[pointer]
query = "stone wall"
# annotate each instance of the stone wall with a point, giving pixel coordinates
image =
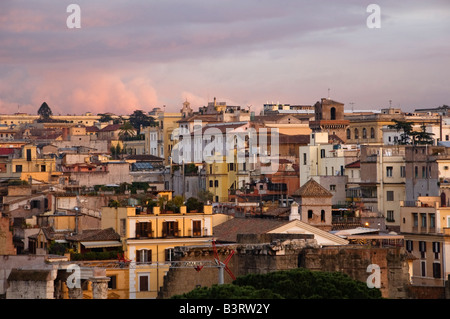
(31, 284)
(283, 254)
(354, 260)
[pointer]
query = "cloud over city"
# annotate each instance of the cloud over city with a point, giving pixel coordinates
(145, 54)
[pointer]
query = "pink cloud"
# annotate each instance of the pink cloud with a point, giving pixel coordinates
(67, 91)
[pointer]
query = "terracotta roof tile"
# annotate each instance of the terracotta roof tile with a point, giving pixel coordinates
(312, 189)
(228, 231)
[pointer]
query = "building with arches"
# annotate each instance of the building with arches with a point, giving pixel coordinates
(329, 117)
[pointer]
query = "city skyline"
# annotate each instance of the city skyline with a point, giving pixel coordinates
(142, 55)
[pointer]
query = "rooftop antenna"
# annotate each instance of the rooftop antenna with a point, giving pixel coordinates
(351, 103)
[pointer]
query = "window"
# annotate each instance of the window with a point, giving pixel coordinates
(389, 170)
(322, 215)
(390, 196)
(436, 249)
(310, 214)
(322, 153)
(372, 132)
(216, 183)
(364, 133)
(304, 158)
(415, 219)
(432, 220)
(169, 254)
(423, 268)
(210, 183)
(112, 283)
(436, 270)
(170, 229)
(402, 171)
(424, 172)
(409, 245)
(18, 168)
(332, 187)
(333, 113)
(196, 228)
(422, 248)
(349, 134)
(144, 282)
(390, 216)
(356, 133)
(416, 171)
(43, 168)
(144, 256)
(423, 218)
(144, 229)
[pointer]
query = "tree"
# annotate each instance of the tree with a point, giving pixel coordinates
(126, 130)
(422, 137)
(45, 112)
(405, 127)
(205, 196)
(229, 291)
(193, 203)
(298, 283)
(105, 118)
(139, 118)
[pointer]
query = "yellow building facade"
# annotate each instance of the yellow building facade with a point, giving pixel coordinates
(31, 165)
(151, 239)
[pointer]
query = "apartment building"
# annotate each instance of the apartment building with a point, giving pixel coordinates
(383, 178)
(151, 238)
(29, 165)
(425, 225)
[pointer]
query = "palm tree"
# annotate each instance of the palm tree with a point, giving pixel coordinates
(126, 130)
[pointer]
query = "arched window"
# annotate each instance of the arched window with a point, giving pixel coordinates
(356, 133)
(443, 200)
(349, 134)
(372, 132)
(364, 133)
(322, 215)
(333, 113)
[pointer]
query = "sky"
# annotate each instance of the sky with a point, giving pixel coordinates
(142, 54)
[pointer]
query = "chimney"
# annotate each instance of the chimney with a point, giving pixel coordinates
(294, 212)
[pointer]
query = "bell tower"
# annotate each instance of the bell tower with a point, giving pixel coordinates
(329, 117)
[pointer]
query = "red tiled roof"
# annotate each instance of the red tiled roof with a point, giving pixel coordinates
(356, 164)
(228, 231)
(111, 127)
(312, 189)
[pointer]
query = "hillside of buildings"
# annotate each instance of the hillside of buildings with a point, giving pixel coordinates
(142, 205)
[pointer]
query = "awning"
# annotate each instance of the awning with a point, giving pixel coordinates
(101, 244)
